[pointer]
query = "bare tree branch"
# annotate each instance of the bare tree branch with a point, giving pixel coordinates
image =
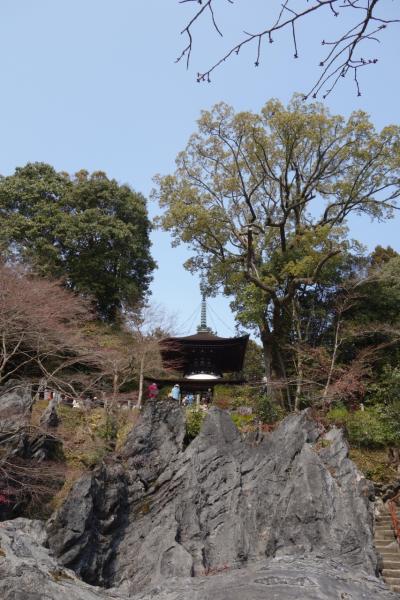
(343, 57)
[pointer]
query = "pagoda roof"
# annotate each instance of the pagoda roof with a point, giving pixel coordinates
(227, 353)
(207, 336)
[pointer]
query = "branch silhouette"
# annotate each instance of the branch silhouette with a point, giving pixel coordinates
(342, 57)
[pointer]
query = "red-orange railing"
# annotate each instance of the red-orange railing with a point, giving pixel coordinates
(392, 508)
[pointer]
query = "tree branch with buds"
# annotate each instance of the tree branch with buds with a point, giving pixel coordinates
(343, 57)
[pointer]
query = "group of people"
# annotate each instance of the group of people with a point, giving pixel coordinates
(189, 399)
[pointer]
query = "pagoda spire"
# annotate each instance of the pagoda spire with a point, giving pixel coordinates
(203, 318)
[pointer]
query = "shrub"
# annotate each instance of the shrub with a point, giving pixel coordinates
(242, 421)
(391, 416)
(194, 420)
(373, 427)
(338, 415)
(387, 389)
(267, 410)
(233, 396)
(367, 428)
(373, 463)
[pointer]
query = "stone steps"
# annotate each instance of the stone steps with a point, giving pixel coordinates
(388, 548)
(391, 573)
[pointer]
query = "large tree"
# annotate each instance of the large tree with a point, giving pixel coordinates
(262, 200)
(86, 229)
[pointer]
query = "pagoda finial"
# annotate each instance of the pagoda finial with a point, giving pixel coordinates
(203, 318)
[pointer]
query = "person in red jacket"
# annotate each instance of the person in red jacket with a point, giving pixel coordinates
(152, 391)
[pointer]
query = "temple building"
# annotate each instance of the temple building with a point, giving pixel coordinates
(204, 359)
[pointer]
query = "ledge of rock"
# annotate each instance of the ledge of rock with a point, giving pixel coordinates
(288, 517)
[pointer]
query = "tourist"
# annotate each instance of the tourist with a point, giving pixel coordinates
(152, 391)
(208, 396)
(176, 392)
(189, 399)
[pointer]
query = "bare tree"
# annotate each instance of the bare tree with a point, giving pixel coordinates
(344, 51)
(149, 326)
(40, 329)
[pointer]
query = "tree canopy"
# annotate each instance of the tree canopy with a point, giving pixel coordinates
(262, 201)
(86, 229)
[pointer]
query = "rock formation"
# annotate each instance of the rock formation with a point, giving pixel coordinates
(287, 516)
(15, 405)
(22, 448)
(50, 418)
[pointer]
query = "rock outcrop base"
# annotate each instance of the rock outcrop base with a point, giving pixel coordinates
(284, 516)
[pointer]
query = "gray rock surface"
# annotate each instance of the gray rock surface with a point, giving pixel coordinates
(15, 405)
(50, 418)
(21, 448)
(28, 572)
(164, 515)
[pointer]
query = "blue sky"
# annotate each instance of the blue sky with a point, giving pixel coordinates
(93, 84)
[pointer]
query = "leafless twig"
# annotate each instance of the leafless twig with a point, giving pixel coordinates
(342, 57)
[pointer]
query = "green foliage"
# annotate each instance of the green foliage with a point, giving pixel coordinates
(254, 366)
(379, 296)
(372, 427)
(267, 410)
(373, 463)
(194, 420)
(87, 230)
(368, 429)
(262, 201)
(381, 255)
(164, 391)
(108, 429)
(242, 422)
(387, 389)
(338, 415)
(233, 396)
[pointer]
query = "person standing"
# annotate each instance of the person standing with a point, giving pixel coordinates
(152, 391)
(176, 392)
(208, 396)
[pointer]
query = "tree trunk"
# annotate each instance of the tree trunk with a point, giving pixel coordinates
(272, 370)
(115, 391)
(141, 378)
(333, 361)
(298, 358)
(275, 370)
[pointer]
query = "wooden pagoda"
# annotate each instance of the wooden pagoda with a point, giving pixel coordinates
(204, 359)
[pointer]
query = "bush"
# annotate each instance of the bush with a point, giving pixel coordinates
(373, 463)
(391, 415)
(242, 422)
(233, 396)
(387, 389)
(194, 420)
(267, 410)
(366, 428)
(369, 428)
(338, 415)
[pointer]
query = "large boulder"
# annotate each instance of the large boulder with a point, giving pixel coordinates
(22, 447)
(28, 572)
(15, 405)
(161, 513)
(49, 418)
